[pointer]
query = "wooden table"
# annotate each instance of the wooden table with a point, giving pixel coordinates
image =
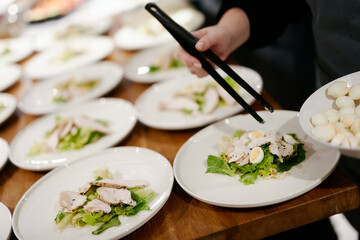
(184, 217)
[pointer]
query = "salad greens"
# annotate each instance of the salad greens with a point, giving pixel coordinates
(174, 63)
(80, 218)
(270, 165)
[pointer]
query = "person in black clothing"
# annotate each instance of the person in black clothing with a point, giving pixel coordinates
(253, 24)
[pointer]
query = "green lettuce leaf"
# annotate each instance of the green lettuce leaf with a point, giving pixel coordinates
(218, 165)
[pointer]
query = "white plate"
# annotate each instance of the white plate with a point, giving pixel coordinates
(9, 74)
(39, 100)
(136, 68)
(10, 106)
(320, 101)
(4, 153)
(150, 114)
(20, 48)
(5, 222)
(49, 38)
(35, 213)
(221, 190)
(43, 66)
(136, 35)
(120, 115)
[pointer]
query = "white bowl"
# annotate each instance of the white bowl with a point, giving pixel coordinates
(320, 101)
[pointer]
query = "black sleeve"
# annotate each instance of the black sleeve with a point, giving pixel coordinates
(268, 18)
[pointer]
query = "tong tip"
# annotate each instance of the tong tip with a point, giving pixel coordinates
(270, 109)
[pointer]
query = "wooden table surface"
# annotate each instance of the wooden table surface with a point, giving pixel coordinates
(184, 217)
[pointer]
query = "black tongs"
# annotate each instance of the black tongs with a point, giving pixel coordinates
(188, 42)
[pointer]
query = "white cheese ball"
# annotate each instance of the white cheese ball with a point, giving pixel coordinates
(347, 110)
(350, 141)
(355, 127)
(324, 132)
(332, 115)
(354, 92)
(319, 119)
(344, 101)
(357, 135)
(357, 110)
(338, 138)
(338, 89)
(347, 120)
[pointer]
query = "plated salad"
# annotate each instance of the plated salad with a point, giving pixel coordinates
(73, 88)
(100, 202)
(70, 134)
(67, 55)
(201, 98)
(165, 62)
(268, 154)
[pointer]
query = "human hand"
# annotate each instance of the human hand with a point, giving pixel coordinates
(216, 38)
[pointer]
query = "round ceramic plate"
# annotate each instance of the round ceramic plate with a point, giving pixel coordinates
(9, 74)
(121, 118)
(150, 114)
(8, 102)
(148, 32)
(222, 190)
(4, 153)
(36, 221)
(39, 98)
(5, 222)
(15, 49)
(67, 56)
(138, 67)
(320, 101)
(65, 32)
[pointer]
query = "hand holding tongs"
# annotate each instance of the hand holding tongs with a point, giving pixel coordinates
(188, 42)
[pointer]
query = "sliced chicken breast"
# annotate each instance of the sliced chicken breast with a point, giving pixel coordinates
(97, 205)
(115, 196)
(118, 183)
(71, 201)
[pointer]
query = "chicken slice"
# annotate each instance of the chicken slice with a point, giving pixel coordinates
(179, 103)
(97, 205)
(118, 183)
(83, 121)
(66, 129)
(71, 201)
(211, 100)
(115, 196)
(225, 95)
(281, 149)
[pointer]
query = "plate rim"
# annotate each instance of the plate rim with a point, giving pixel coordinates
(33, 187)
(9, 217)
(12, 107)
(48, 167)
(4, 160)
(17, 72)
(247, 205)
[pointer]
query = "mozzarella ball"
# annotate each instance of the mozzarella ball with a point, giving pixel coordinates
(319, 119)
(338, 138)
(339, 126)
(344, 101)
(347, 120)
(350, 141)
(357, 110)
(357, 135)
(355, 126)
(332, 115)
(354, 92)
(347, 110)
(324, 132)
(338, 89)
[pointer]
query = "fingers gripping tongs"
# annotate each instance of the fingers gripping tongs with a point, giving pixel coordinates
(188, 41)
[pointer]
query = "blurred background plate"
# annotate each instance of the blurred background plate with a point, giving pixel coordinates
(222, 190)
(39, 98)
(8, 103)
(4, 154)
(144, 31)
(320, 101)
(68, 56)
(9, 74)
(5, 222)
(15, 49)
(35, 221)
